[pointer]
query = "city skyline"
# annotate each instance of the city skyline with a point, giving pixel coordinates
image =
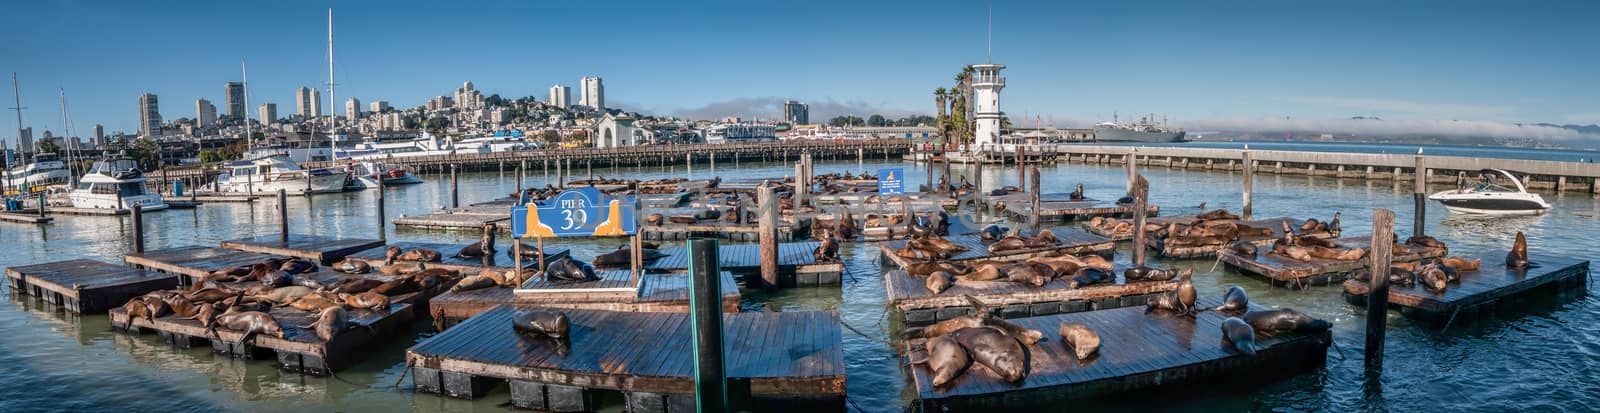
(1202, 66)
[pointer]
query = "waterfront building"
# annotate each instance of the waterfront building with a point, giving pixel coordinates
(352, 109)
(235, 96)
(616, 131)
(796, 112)
(379, 106)
(986, 85)
(739, 132)
(149, 115)
(308, 102)
(594, 93)
(205, 113)
(560, 96)
(269, 113)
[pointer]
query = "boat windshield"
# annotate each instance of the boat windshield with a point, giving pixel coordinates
(131, 189)
(1488, 187)
(110, 167)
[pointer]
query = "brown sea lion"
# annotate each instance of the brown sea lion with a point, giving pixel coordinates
(420, 255)
(283, 295)
(1312, 225)
(1062, 265)
(1304, 241)
(1426, 241)
(277, 279)
(1096, 261)
(330, 322)
(1219, 214)
(1351, 254)
(397, 286)
(1243, 249)
(682, 219)
(352, 265)
(204, 313)
(655, 219)
(211, 295)
(986, 272)
(135, 309)
(1518, 257)
(354, 285)
(992, 348)
(1090, 276)
(1185, 293)
(367, 301)
(250, 323)
(1025, 274)
(1397, 275)
(297, 266)
(939, 281)
(314, 302)
(473, 283)
(484, 246)
(1463, 264)
(827, 250)
(924, 268)
(1284, 320)
(259, 271)
(181, 305)
(946, 359)
(1078, 337)
(1164, 302)
(1239, 336)
(1433, 278)
(947, 326)
(1234, 301)
(1149, 274)
(548, 323)
(1293, 252)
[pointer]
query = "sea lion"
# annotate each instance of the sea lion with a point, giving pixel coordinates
(1243, 248)
(946, 359)
(939, 281)
(1090, 276)
(1095, 261)
(1025, 274)
(922, 269)
(568, 270)
(1185, 293)
(473, 283)
(948, 326)
(484, 247)
(1433, 278)
(135, 309)
(250, 323)
(992, 348)
(547, 323)
(277, 279)
(283, 295)
(355, 285)
(1149, 274)
(1463, 264)
(420, 255)
(210, 295)
(397, 286)
(1213, 215)
(1239, 336)
(367, 301)
(827, 250)
(260, 270)
(1284, 320)
(1078, 337)
(655, 219)
(1351, 254)
(1426, 241)
(1234, 301)
(1077, 194)
(181, 305)
(1397, 275)
(330, 322)
(1450, 273)
(204, 313)
(1291, 251)
(1305, 241)
(1058, 266)
(846, 227)
(314, 302)
(297, 266)
(1334, 226)
(682, 219)
(1312, 225)
(1165, 302)
(310, 282)
(352, 265)
(1518, 257)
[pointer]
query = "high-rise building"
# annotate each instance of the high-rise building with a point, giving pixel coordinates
(594, 93)
(380, 106)
(986, 85)
(99, 135)
(796, 112)
(468, 98)
(25, 142)
(235, 100)
(560, 96)
(205, 113)
(269, 113)
(308, 102)
(352, 109)
(149, 115)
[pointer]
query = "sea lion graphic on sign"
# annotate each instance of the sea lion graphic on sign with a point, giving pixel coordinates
(575, 213)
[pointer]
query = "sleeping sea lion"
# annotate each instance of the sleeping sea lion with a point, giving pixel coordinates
(1243, 248)
(924, 268)
(314, 302)
(1219, 214)
(1239, 336)
(367, 301)
(330, 322)
(298, 266)
(985, 272)
(655, 219)
(682, 219)
(420, 255)
(1025, 274)
(250, 323)
(1078, 337)
(1463, 264)
(939, 281)
(568, 270)
(1351, 254)
(277, 279)
(210, 295)
(1433, 278)
(547, 323)
(181, 305)
(355, 285)
(1426, 241)
(484, 246)
(1149, 274)
(992, 348)
(397, 286)
(1284, 320)
(282, 295)
(473, 283)
(1234, 301)
(1304, 241)
(1518, 257)
(352, 265)
(946, 359)
(1090, 276)
(1397, 276)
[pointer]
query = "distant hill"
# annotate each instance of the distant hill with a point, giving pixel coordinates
(1584, 129)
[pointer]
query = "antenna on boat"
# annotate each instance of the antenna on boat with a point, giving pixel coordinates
(16, 92)
(333, 109)
(248, 138)
(66, 126)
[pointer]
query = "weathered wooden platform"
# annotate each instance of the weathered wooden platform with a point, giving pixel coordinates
(1073, 241)
(470, 266)
(86, 286)
(657, 292)
(918, 306)
(720, 230)
(193, 262)
(1061, 211)
(220, 198)
(1281, 271)
(797, 263)
(319, 249)
(299, 350)
(66, 210)
(788, 359)
(1491, 288)
(1201, 251)
(25, 218)
(1138, 351)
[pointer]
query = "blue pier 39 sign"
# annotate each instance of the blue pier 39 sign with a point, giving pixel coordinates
(891, 181)
(580, 212)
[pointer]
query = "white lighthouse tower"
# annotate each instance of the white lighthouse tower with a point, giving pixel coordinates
(986, 85)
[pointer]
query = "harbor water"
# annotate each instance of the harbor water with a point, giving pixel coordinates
(1543, 358)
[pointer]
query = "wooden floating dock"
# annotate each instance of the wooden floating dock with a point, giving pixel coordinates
(797, 263)
(656, 293)
(86, 286)
(786, 360)
(66, 210)
(1480, 293)
(25, 218)
(1073, 241)
(192, 263)
(1061, 211)
(222, 198)
(299, 350)
(319, 249)
(468, 266)
(469, 218)
(722, 230)
(1203, 251)
(1283, 271)
(1138, 351)
(917, 306)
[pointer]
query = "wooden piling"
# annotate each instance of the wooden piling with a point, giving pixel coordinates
(1249, 176)
(1033, 198)
(519, 181)
(800, 187)
(283, 216)
(767, 232)
(1128, 163)
(455, 188)
(1419, 199)
(1141, 197)
(705, 301)
(861, 159)
(1022, 172)
(138, 229)
(383, 226)
(1378, 304)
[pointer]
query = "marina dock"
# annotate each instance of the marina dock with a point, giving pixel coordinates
(319, 249)
(194, 262)
(786, 360)
(1138, 352)
(1073, 241)
(656, 293)
(1063, 211)
(1204, 251)
(499, 261)
(86, 286)
(797, 263)
(1288, 272)
(917, 306)
(25, 218)
(1492, 287)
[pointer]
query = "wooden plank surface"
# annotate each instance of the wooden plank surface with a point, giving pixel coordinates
(1491, 281)
(295, 339)
(657, 292)
(194, 261)
(798, 353)
(1284, 269)
(1072, 241)
(738, 258)
(910, 293)
(86, 286)
(317, 248)
(499, 261)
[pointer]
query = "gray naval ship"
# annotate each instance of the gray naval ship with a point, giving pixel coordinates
(1144, 130)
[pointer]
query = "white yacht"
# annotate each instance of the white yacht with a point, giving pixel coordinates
(269, 174)
(1485, 197)
(46, 169)
(115, 184)
(372, 149)
(367, 174)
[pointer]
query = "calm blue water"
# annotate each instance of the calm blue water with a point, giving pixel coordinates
(1566, 155)
(1544, 358)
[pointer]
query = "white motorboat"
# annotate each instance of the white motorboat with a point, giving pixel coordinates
(1486, 197)
(367, 174)
(115, 184)
(269, 174)
(46, 169)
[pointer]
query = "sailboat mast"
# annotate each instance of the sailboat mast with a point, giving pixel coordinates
(248, 138)
(66, 128)
(333, 110)
(17, 94)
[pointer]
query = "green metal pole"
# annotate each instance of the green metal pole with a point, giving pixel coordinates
(705, 302)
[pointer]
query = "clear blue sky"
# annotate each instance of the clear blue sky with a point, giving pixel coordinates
(1501, 61)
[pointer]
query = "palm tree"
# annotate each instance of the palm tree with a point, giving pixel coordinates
(941, 98)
